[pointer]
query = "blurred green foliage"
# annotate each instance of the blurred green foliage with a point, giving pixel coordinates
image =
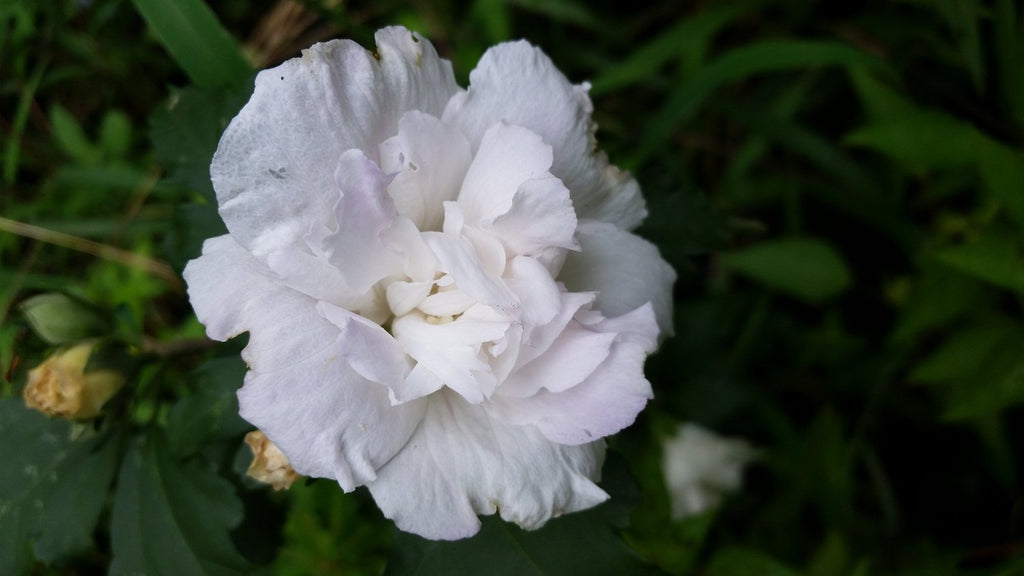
(840, 185)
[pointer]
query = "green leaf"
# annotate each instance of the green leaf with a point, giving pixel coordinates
(186, 130)
(683, 224)
(579, 543)
(71, 138)
(196, 41)
(740, 63)
(879, 100)
(172, 517)
(963, 355)
(687, 39)
(992, 258)
(979, 370)
(211, 413)
(116, 134)
(52, 488)
(1002, 173)
(742, 562)
(495, 18)
(60, 319)
(568, 11)
(938, 296)
(330, 532)
(987, 396)
(806, 268)
(922, 140)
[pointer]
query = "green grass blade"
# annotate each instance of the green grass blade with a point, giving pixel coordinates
(196, 41)
(687, 39)
(763, 57)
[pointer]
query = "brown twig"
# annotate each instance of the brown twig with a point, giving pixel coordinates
(152, 266)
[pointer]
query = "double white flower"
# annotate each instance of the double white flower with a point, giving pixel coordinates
(443, 300)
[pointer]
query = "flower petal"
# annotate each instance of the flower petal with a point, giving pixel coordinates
(460, 259)
(541, 217)
(363, 214)
(367, 347)
(623, 269)
(507, 156)
(461, 463)
(536, 291)
(453, 349)
(328, 420)
(573, 356)
(606, 402)
(429, 160)
(273, 169)
(516, 83)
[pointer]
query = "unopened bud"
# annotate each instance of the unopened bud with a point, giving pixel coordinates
(60, 386)
(269, 464)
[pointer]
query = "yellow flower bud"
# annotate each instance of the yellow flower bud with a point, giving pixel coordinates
(60, 386)
(269, 464)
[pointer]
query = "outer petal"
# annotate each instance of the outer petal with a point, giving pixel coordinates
(517, 83)
(461, 463)
(625, 270)
(606, 402)
(273, 169)
(328, 420)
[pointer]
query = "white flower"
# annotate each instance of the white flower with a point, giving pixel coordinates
(700, 467)
(442, 297)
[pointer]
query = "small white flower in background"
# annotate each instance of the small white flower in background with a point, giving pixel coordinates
(700, 467)
(443, 298)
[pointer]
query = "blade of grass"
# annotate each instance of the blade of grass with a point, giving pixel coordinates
(688, 39)
(740, 63)
(196, 40)
(13, 148)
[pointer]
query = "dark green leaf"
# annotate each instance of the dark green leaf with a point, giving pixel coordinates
(1002, 173)
(172, 517)
(71, 138)
(991, 258)
(583, 543)
(196, 41)
(60, 319)
(687, 39)
(963, 355)
(763, 57)
(741, 562)
(569, 11)
(938, 296)
(806, 268)
(879, 100)
(52, 488)
(923, 140)
(684, 224)
(211, 413)
(186, 130)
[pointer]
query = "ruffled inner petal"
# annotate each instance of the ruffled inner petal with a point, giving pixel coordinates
(607, 401)
(429, 160)
(507, 156)
(541, 217)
